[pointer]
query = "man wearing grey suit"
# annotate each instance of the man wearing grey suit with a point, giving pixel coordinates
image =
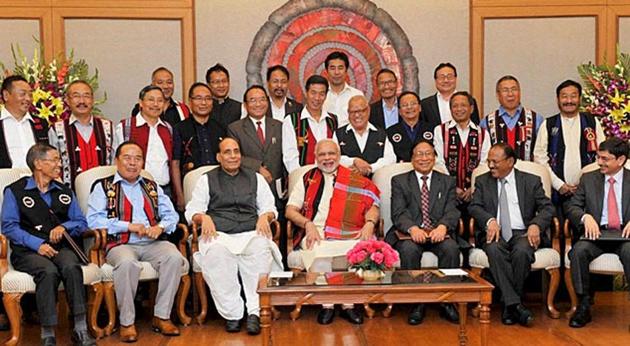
(512, 215)
(424, 216)
(599, 204)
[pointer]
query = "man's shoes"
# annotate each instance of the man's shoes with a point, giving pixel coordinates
(581, 317)
(416, 315)
(449, 313)
(128, 333)
(82, 338)
(326, 316)
(49, 341)
(507, 317)
(253, 325)
(4, 322)
(352, 316)
(233, 326)
(166, 327)
(525, 317)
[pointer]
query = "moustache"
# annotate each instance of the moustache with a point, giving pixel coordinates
(569, 104)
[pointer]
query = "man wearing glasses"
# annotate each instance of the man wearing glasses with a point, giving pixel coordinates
(225, 110)
(435, 108)
(512, 123)
(83, 140)
(512, 216)
(408, 132)
(195, 140)
(384, 112)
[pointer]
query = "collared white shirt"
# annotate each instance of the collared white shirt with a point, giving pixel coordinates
(296, 199)
(571, 134)
(277, 112)
(420, 181)
(444, 107)
(337, 104)
(198, 204)
(388, 158)
(156, 161)
(290, 154)
(618, 191)
(438, 141)
(262, 125)
(18, 136)
(516, 219)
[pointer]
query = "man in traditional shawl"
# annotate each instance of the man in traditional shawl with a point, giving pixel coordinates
(332, 208)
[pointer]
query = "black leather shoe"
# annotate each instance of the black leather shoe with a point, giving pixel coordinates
(49, 341)
(253, 325)
(581, 317)
(416, 315)
(82, 338)
(233, 326)
(525, 317)
(326, 316)
(449, 313)
(352, 316)
(507, 317)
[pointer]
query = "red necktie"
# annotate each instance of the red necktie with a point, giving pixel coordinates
(426, 219)
(613, 211)
(259, 132)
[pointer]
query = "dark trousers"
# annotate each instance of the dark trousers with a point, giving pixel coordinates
(48, 273)
(447, 252)
(585, 251)
(510, 264)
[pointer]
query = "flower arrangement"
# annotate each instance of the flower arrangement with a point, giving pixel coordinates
(606, 95)
(372, 255)
(49, 81)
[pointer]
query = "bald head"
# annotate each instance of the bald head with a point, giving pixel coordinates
(359, 112)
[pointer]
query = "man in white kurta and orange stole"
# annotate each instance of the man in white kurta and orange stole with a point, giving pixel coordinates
(332, 208)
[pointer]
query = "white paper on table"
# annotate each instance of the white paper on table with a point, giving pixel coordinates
(454, 272)
(281, 275)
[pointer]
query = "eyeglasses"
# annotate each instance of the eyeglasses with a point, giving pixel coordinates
(219, 82)
(387, 82)
(449, 76)
(507, 91)
(76, 97)
(358, 111)
(55, 160)
(201, 98)
(424, 154)
(257, 100)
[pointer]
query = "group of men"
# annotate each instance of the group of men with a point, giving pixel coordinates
(257, 143)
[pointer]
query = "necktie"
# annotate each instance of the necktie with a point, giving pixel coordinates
(613, 211)
(259, 132)
(504, 210)
(426, 219)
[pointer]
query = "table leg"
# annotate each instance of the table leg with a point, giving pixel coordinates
(484, 323)
(463, 313)
(265, 319)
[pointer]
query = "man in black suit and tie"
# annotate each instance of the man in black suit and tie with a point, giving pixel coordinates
(599, 204)
(435, 108)
(384, 112)
(424, 216)
(512, 214)
(278, 85)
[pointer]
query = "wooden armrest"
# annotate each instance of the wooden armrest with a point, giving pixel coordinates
(101, 253)
(4, 263)
(181, 242)
(93, 252)
(275, 231)
(379, 230)
(568, 235)
(194, 243)
(555, 234)
(289, 237)
(471, 229)
(460, 225)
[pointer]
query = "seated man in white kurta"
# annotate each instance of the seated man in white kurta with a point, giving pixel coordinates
(332, 208)
(234, 206)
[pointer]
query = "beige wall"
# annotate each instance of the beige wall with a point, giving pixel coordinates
(20, 32)
(624, 34)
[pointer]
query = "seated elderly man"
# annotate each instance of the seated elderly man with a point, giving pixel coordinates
(364, 148)
(136, 214)
(36, 212)
(333, 208)
(234, 206)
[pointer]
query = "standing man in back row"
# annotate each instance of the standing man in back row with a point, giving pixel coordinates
(337, 65)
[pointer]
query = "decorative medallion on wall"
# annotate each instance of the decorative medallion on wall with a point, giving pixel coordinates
(301, 33)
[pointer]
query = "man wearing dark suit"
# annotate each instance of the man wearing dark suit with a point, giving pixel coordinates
(512, 214)
(225, 110)
(424, 216)
(384, 112)
(410, 130)
(260, 139)
(435, 108)
(278, 85)
(599, 204)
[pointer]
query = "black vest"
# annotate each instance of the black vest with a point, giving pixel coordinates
(402, 143)
(36, 217)
(374, 147)
(232, 203)
(40, 131)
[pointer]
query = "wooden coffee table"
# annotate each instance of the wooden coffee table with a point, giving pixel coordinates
(402, 286)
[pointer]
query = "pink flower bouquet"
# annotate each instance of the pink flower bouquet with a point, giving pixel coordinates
(372, 255)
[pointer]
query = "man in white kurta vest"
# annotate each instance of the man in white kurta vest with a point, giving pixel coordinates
(234, 206)
(332, 208)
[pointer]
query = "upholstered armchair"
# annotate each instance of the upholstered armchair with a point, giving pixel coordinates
(15, 283)
(83, 186)
(546, 258)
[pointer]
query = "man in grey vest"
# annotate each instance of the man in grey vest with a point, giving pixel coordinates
(234, 206)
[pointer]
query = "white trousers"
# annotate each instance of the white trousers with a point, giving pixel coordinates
(221, 269)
